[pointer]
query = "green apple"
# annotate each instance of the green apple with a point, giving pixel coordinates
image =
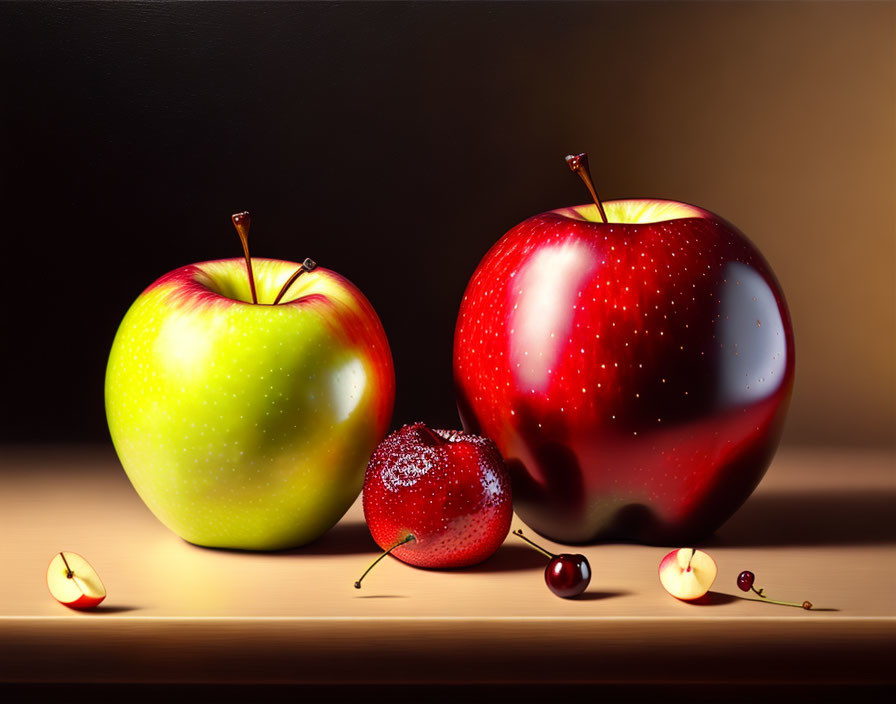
(247, 425)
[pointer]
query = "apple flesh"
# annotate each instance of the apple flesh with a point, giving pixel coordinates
(249, 426)
(687, 574)
(635, 374)
(73, 582)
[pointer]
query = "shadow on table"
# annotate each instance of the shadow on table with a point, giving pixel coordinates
(345, 538)
(509, 558)
(811, 518)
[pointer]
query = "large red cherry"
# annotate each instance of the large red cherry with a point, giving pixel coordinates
(437, 498)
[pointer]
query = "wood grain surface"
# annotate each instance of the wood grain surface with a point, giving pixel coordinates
(820, 527)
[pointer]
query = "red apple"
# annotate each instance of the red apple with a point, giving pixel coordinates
(437, 498)
(634, 373)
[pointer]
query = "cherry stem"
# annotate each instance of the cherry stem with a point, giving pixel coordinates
(307, 265)
(242, 221)
(519, 534)
(68, 570)
(407, 539)
(430, 436)
(805, 605)
(579, 165)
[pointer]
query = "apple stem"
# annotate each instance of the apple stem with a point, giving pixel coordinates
(68, 570)
(693, 552)
(579, 165)
(408, 538)
(242, 221)
(519, 534)
(307, 265)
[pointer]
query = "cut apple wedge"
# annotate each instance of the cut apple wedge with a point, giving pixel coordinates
(73, 582)
(687, 573)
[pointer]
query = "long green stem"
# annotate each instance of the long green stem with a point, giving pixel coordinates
(764, 600)
(407, 539)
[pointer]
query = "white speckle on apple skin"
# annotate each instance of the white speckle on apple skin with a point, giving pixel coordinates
(248, 426)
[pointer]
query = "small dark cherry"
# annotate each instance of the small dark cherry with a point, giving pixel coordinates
(566, 575)
(745, 582)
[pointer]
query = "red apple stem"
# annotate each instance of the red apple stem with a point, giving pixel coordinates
(805, 605)
(579, 165)
(242, 221)
(406, 539)
(307, 265)
(68, 570)
(693, 552)
(519, 534)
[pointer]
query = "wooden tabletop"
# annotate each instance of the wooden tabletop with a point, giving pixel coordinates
(820, 527)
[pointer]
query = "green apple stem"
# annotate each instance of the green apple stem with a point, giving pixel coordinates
(68, 570)
(242, 221)
(408, 538)
(579, 165)
(307, 265)
(519, 534)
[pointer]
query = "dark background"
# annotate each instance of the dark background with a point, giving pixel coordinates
(396, 142)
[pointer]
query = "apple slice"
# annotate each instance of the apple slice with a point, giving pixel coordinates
(687, 573)
(73, 582)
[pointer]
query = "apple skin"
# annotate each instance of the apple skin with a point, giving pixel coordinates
(249, 426)
(635, 374)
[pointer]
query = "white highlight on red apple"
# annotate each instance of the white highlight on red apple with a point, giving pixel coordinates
(751, 368)
(546, 282)
(687, 573)
(73, 582)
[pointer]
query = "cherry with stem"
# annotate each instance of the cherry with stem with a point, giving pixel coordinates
(566, 575)
(408, 538)
(745, 583)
